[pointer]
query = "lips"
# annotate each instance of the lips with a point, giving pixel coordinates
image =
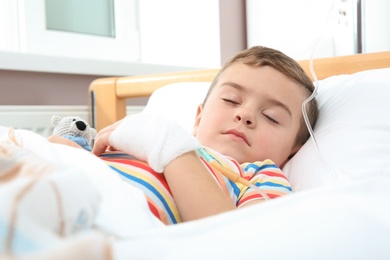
(237, 135)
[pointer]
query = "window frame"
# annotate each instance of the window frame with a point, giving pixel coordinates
(34, 38)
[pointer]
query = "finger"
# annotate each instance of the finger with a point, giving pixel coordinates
(101, 143)
(111, 127)
(107, 129)
(111, 148)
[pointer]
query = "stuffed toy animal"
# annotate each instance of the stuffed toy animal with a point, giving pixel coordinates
(75, 129)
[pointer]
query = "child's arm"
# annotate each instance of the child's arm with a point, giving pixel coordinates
(195, 191)
(154, 140)
(62, 140)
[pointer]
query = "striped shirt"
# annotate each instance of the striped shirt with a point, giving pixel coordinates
(265, 175)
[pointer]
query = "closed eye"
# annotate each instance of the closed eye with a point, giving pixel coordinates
(230, 101)
(271, 119)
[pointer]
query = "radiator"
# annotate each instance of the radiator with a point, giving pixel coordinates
(37, 118)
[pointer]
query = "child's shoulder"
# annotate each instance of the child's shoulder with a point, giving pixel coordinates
(231, 162)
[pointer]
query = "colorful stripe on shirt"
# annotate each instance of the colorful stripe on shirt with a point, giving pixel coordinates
(265, 175)
(153, 184)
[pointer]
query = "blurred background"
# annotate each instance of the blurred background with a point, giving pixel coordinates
(52, 49)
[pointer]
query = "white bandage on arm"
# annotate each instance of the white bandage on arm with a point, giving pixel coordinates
(152, 138)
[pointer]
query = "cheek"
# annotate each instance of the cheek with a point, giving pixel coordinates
(211, 114)
(276, 147)
(205, 125)
(208, 124)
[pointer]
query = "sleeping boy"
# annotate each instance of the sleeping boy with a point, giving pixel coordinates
(250, 122)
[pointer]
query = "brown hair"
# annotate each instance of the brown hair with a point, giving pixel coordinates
(259, 56)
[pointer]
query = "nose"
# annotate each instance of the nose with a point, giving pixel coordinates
(81, 125)
(246, 118)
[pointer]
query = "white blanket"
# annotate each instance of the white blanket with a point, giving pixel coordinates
(50, 193)
(77, 208)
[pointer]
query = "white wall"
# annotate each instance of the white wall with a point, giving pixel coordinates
(377, 25)
(177, 32)
(294, 27)
(8, 38)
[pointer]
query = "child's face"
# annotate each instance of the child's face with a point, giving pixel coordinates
(252, 114)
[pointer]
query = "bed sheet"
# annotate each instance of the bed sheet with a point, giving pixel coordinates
(350, 221)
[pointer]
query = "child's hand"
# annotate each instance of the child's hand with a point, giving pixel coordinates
(148, 137)
(102, 139)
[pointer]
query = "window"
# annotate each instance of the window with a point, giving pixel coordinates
(78, 16)
(88, 29)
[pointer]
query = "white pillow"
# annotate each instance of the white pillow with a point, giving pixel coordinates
(178, 101)
(352, 132)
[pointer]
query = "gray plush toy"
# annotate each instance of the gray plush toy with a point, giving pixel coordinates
(75, 129)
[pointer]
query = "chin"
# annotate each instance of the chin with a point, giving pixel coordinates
(232, 152)
(234, 155)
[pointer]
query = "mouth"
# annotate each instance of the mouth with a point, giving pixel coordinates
(237, 135)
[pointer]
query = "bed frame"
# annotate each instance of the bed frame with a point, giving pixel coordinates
(108, 95)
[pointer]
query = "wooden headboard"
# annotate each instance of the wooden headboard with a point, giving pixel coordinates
(108, 95)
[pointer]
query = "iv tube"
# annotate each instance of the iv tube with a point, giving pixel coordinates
(228, 173)
(312, 96)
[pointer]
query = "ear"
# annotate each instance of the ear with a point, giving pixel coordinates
(197, 119)
(93, 133)
(55, 120)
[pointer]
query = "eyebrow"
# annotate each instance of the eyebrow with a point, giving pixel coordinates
(271, 101)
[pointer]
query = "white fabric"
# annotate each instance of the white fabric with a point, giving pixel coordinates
(350, 221)
(353, 132)
(89, 195)
(42, 200)
(178, 101)
(152, 138)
